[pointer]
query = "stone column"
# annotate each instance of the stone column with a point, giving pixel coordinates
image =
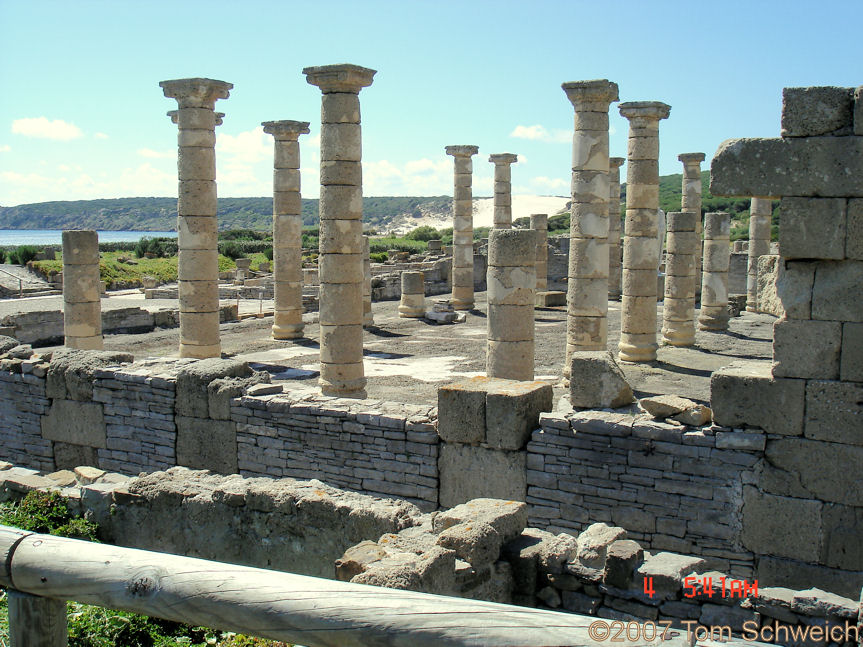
(82, 289)
(641, 231)
(539, 223)
(714, 280)
(287, 228)
(614, 164)
(691, 201)
(760, 213)
(511, 281)
(413, 301)
(587, 289)
(368, 317)
(197, 228)
(678, 309)
(502, 189)
(462, 226)
(341, 238)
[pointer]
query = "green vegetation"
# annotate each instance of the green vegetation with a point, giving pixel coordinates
(22, 254)
(48, 513)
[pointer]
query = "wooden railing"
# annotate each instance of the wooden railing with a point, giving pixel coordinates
(42, 571)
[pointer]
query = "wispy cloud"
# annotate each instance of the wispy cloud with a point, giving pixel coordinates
(44, 128)
(151, 154)
(249, 146)
(541, 133)
(548, 184)
(100, 135)
(5, 148)
(415, 177)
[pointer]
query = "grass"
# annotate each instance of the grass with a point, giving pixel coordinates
(91, 626)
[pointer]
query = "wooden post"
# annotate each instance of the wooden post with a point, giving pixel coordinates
(35, 621)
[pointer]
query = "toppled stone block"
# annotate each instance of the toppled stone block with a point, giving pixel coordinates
(822, 604)
(667, 406)
(594, 541)
(357, 559)
(667, 571)
(7, 343)
(596, 381)
(263, 388)
(86, 474)
(622, 557)
(523, 555)
(550, 299)
(556, 553)
(814, 111)
(468, 472)
(773, 602)
(477, 543)
(431, 572)
(70, 375)
(77, 423)
(746, 394)
(508, 518)
(22, 351)
(193, 381)
(63, 478)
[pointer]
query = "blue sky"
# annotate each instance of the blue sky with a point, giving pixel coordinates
(82, 115)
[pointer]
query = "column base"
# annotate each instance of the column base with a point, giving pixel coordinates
(510, 360)
(459, 304)
(287, 331)
(713, 318)
(407, 312)
(636, 350)
(751, 309)
(368, 320)
(343, 380)
(84, 343)
(200, 352)
(679, 336)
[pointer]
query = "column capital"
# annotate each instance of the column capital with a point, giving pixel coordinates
(174, 115)
(616, 162)
(286, 129)
(196, 93)
(219, 117)
(651, 110)
(691, 158)
(466, 150)
(499, 159)
(343, 77)
(593, 96)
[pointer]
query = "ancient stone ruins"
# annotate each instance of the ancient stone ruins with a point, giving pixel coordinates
(744, 507)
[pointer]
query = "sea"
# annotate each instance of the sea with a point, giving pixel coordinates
(37, 237)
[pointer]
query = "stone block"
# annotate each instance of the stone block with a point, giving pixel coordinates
(772, 168)
(667, 571)
(474, 472)
(781, 526)
(68, 456)
(822, 604)
(851, 361)
(854, 225)
(812, 228)
(740, 440)
(596, 381)
(622, 557)
(768, 299)
(813, 111)
(806, 349)
(793, 287)
(834, 412)
(829, 471)
(550, 299)
(842, 528)
(477, 543)
(746, 394)
(512, 411)
(508, 518)
(207, 444)
(836, 291)
(798, 575)
(77, 423)
(594, 541)
(70, 375)
(193, 380)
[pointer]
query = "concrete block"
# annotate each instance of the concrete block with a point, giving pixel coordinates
(207, 444)
(836, 291)
(461, 411)
(476, 472)
(193, 379)
(842, 528)
(812, 228)
(834, 412)
(746, 394)
(77, 423)
(806, 349)
(851, 361)
(781, 526)
(813, 111)
(512, 411)
(772, 168)
(596, 381)
(854, 226)
(829, 471)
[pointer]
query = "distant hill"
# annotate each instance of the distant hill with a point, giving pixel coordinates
(160, 214)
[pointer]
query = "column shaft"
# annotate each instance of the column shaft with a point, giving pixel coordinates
(413, 299)
(691, 201)
(614, 164)
(462, 226)
(539, 223)
(760, 212)
(678, 311)
(714, 280)
(368, 317)
(503, 189)
(82, 290)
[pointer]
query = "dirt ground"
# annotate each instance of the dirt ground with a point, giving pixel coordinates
(406, 360)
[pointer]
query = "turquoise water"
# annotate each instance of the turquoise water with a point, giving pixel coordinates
(54, 236)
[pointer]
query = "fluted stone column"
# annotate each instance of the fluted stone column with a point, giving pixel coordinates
(511, 278)
(197, 228)
(714, 279)
(587, 289)
(82, 290)
(614, 164)
(678, 308)
(413, 299)
(287, 228)
(462, 226)
(691, 201)
(539, 223)
(368, 317)
(641, 231)
(341, 237)
(760, 213)
(503, 188)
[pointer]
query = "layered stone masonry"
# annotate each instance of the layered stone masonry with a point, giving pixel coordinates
(503, 188)
(678, 308)
(713, 314)
(287, 228)
(614, 246)
(691, 201)
(462, 226)
(587, 289)
(760, 213)
(82, 290)
(539, 223)
(641, 243)
(197, 228)
(341, 243)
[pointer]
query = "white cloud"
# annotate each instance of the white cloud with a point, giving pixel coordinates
(43, 128)
(541, 133)
(549, 184)
(249, 147)
(100, 135)
(151, 154)
(522, 159)
(5, 148)
(416, 177)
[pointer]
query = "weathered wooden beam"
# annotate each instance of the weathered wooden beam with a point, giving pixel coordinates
(281, 606)
(35, 621)
(9, 538)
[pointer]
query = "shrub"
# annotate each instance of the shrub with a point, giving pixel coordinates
(232, 250)
(379, 257)
(23, 254)
(154, 246)
(424, 233)
(47, 512)
(2, 255)
(268, 252)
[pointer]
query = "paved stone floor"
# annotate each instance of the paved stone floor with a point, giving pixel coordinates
(408, 359)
